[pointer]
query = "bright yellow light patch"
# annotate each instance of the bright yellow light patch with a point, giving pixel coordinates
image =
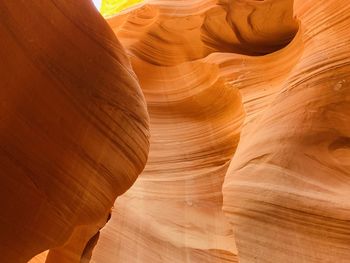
(111, 7)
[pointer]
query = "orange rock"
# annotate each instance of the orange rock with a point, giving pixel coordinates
(287, 189)
(249, 121)
(74, 126)
(173, 213)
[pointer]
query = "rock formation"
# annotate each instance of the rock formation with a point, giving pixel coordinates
(74, 127)
(192, 74)
(287, 191)
(213, 71)
(249, 106)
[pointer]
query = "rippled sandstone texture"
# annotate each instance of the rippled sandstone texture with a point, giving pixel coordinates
(249, 120)
(217, 74)
(287, 191)
(73, 131)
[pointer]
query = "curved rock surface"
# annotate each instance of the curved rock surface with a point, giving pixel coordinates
(215, 71)
(74, 128)
(192, 74)
(287, 191)
(250, 133)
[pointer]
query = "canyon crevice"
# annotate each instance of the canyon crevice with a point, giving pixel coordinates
(222, 126)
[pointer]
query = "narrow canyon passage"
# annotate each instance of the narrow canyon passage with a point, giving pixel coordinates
(193, 87)
(203, 131)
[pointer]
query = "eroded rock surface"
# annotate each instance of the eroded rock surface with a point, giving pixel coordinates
(287, 191)
(215, 71)
(249, 121)
(74, 127)
(193, 74)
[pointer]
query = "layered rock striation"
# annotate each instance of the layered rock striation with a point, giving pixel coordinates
(248, 106)
(197, 74)
(74, 128)
(287, 191)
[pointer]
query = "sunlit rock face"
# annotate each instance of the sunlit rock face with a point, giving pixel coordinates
(74, 128)
(249, 122)
(111, 7)
(287, 191)
(268, 77)
(193, 69)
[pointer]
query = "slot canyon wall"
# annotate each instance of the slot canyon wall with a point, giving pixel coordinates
(267, 76)
(74, 128)
(249, 121)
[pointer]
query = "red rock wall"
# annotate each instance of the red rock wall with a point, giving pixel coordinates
(74, 127)
(285, 193)
(249, 122)
(287, 189)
